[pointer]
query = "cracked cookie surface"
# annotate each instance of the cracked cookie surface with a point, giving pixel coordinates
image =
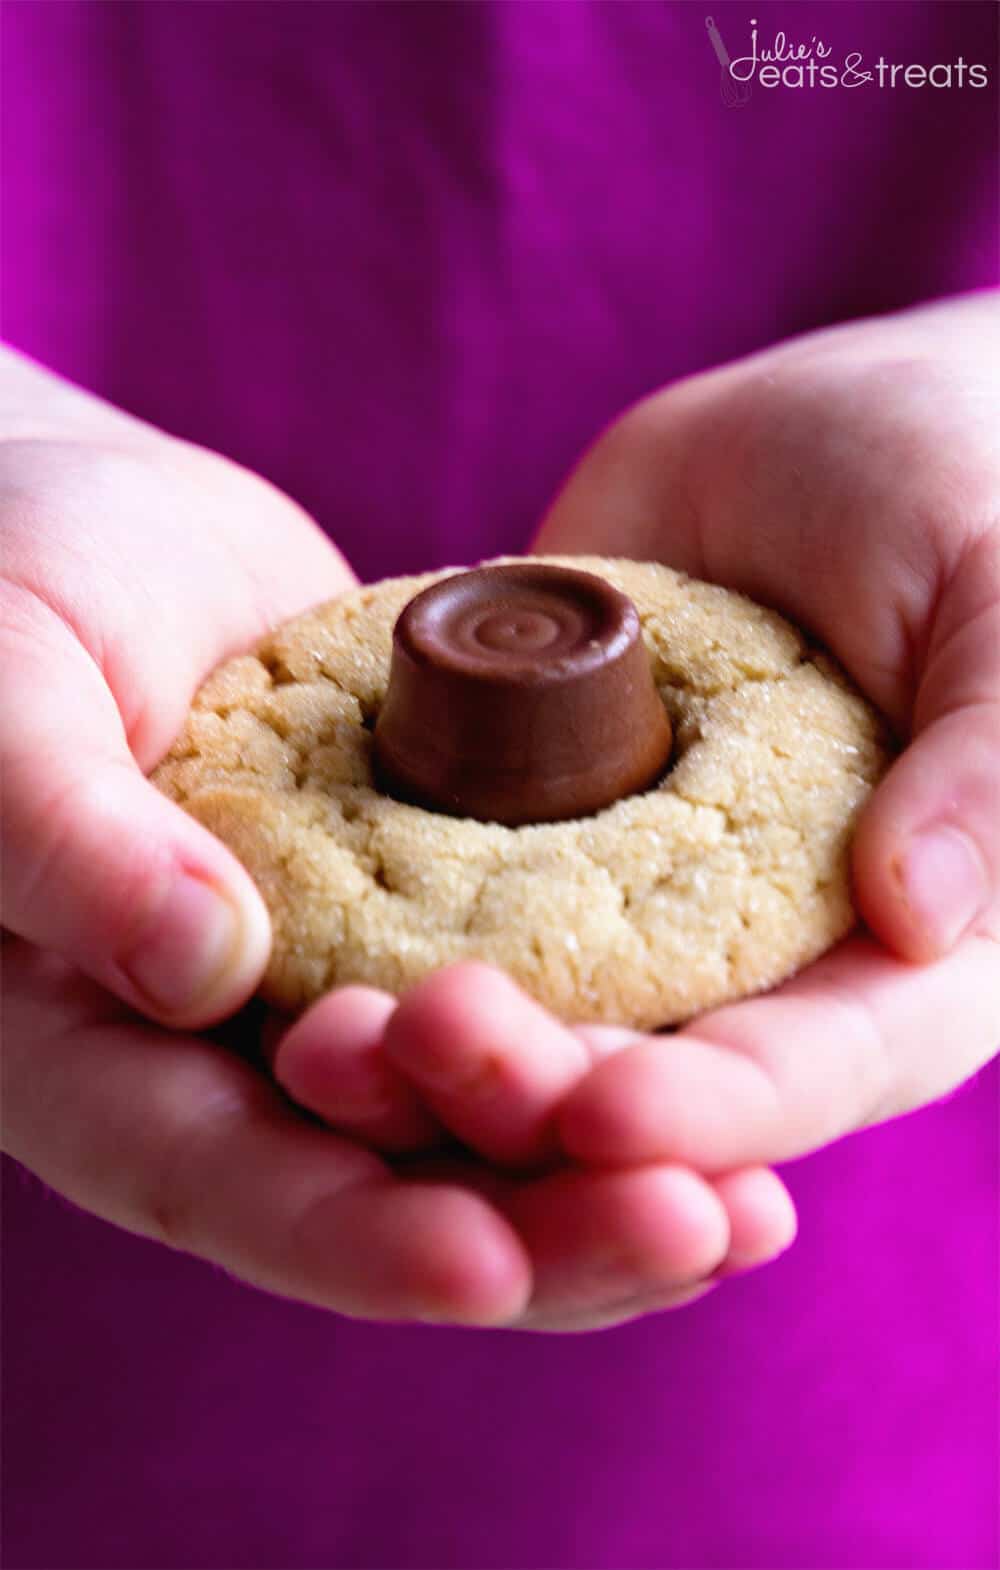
(722, 880)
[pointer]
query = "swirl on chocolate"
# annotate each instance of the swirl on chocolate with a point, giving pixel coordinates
(519, 622)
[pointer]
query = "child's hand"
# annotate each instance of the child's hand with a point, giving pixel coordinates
(133, 564)
(177, 1138)
(852, 480)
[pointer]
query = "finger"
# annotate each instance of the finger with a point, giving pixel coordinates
(332, 1062)
(604, 1252)
(762, 1225)
(602, 1242)
(490, 1061)
(762, 1218)
(857, 1038)
(174, 1139)
(927, 851)
(98, 864)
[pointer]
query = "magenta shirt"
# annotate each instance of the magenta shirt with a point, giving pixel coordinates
(406, 260)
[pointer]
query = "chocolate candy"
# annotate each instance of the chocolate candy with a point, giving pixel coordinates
(519, 694)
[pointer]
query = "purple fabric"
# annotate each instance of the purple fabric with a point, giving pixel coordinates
(406, 260)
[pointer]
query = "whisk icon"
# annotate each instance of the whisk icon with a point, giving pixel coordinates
(734, 94)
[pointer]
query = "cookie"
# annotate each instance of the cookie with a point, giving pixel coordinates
(724, 878)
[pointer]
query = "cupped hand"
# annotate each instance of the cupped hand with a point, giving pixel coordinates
(178, 1138)
(133, 564)
(850, 479)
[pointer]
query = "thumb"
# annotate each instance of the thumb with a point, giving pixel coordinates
(927, 851)
(97, 864)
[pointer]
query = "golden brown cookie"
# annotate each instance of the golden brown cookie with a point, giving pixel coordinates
(723, 879)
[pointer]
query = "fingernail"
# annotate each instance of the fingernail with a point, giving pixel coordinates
(194, 951)
(944, 884)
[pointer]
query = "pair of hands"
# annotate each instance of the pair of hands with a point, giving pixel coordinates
(484, 1163)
